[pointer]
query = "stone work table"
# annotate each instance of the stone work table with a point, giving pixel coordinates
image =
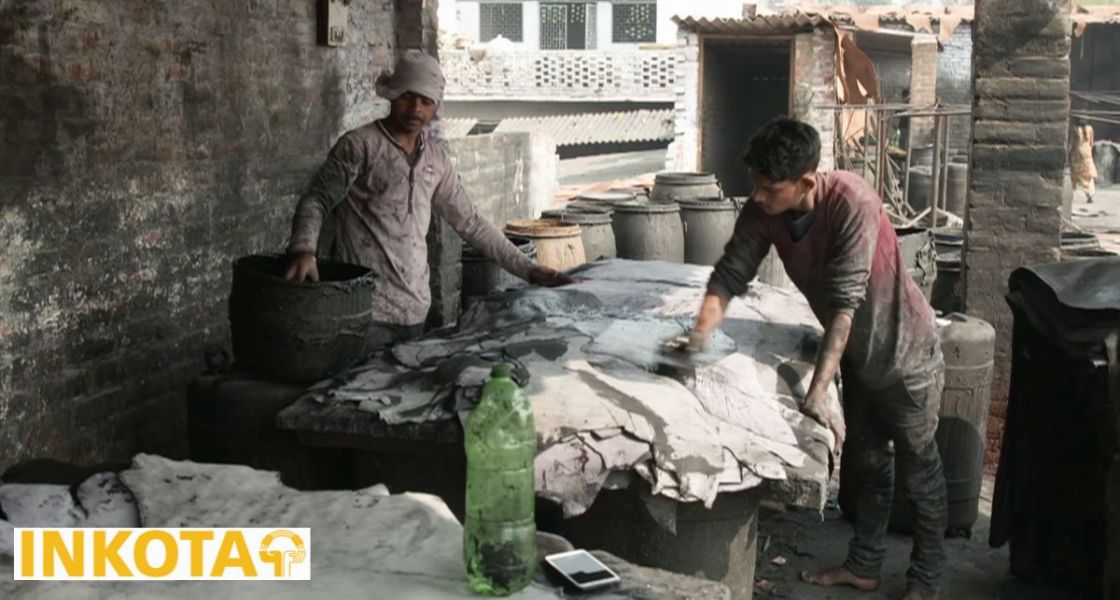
(608, 416)
(364, 543)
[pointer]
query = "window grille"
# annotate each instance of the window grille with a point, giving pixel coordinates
(567, 26)
(502, 19)
(634, 22)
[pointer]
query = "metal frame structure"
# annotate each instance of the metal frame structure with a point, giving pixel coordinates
(863, 145)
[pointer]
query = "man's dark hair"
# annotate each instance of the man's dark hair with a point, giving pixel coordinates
(784, 150)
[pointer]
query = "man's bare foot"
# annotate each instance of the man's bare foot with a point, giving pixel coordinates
(914, 595)
(841, 576)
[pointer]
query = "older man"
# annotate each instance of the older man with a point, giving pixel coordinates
(371, 203)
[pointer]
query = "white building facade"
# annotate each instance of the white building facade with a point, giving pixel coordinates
(576, 24)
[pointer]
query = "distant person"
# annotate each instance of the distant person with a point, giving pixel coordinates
(841, 251)
(371, 203)
(1082, 169)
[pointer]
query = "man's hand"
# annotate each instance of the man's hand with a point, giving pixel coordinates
(695, 342)
(303, 267)
(549, 277)
(816, 408)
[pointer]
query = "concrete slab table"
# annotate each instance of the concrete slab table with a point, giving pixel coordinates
(365, 543)
(663, 468)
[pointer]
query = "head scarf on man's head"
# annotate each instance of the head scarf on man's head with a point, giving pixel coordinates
(415, 72)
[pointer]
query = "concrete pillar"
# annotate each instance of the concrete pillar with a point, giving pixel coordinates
(470, 20)
(1020, 122)
(814, 85)
(683, 153)
(604, 25)
(531, 24)
(448, 13)
(923, 86)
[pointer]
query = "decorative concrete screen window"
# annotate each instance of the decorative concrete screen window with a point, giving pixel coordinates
(634, 21)
(567, 25)
(500, 19)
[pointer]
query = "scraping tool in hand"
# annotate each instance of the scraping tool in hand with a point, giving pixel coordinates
(678, 357)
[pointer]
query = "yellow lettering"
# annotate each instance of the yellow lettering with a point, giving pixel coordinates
(27, 549)
(196, 538)
(109, 553)
(170, 556)
(233, 541)
(54, 547)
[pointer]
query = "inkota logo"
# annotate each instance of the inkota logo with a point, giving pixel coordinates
(146, 554)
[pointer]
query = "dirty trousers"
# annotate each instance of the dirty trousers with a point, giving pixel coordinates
(905, 414)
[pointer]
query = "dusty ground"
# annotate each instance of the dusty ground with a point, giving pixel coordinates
(1102, 217)
(974, 571)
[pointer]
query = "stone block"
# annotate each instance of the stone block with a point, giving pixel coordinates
(991, 54)
(996, 157)
(1017, 132)
(995, 217)
(1040, 67)
(1027, 188)
(1045, 220)
(1021, 88)
(1032, 112)
(1007, 21)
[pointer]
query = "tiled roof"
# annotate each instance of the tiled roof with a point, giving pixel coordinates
(598, 128)
(761, 24)
(457, 128)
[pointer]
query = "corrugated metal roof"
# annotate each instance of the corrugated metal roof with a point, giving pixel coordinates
(758, 25)
(598, 128)
(457, 128)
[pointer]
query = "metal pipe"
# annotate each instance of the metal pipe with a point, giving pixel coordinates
(945, 165)
(934, 113)
(881, 155)
(863, 142)
(935, 193)
(909, 159)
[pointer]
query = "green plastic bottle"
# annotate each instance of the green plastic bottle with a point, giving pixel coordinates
(499, 532)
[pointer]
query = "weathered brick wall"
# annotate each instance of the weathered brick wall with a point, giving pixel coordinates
(145, 145)
(814, 87)
(954, 79)
(1020, 116)
(684, 151)
(416, 25)
(954, 74)
(923, 86)
(508, 176)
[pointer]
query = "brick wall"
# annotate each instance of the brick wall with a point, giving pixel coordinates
(814, 82)
(508, 176)
(145, 146)
(1020, 116)
(684, 152)
(954, 79)
(954, 73)
(923, 85)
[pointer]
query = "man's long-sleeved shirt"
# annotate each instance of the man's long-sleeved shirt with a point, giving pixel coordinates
(847, 261)
(373, 203)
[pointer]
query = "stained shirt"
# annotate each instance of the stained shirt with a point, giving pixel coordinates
(847, 261)
(370, 203)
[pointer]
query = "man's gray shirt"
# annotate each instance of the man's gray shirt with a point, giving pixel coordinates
(373, 208)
